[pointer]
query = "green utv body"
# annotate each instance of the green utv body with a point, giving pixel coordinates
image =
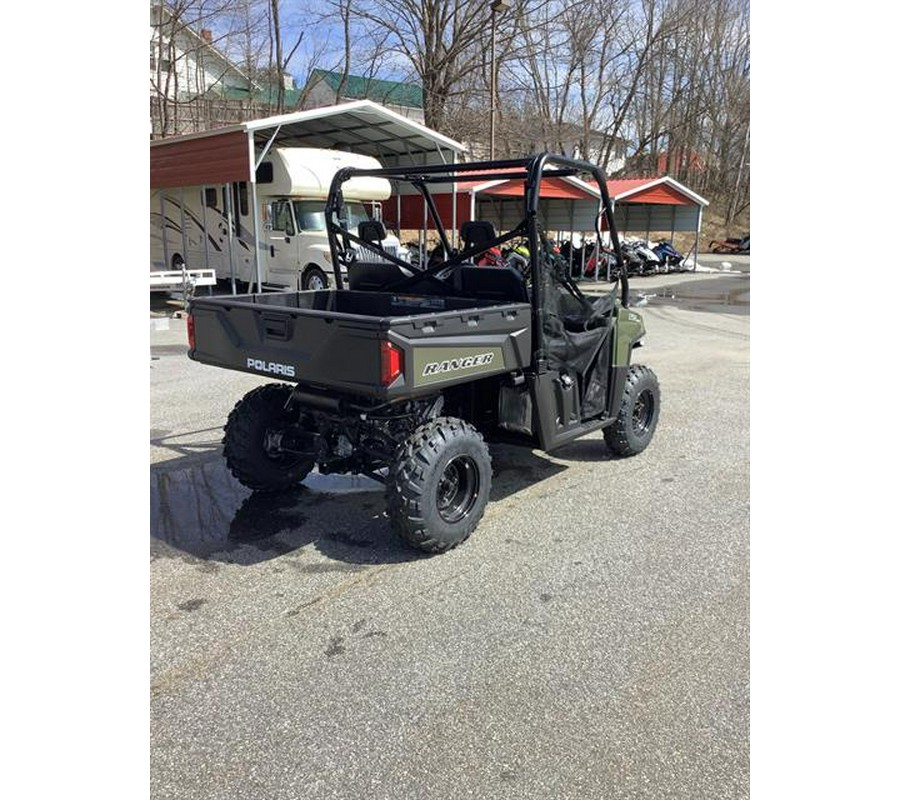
(405, 373)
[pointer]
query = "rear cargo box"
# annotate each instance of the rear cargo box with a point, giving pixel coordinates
(333, 339)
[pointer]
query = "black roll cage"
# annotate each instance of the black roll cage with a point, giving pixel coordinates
(532, 170)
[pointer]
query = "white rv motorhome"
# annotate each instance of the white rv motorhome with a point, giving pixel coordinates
(211, 227)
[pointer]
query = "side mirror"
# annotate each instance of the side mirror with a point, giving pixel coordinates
(371, 230)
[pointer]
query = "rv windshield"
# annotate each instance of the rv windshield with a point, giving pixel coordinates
(310, 214)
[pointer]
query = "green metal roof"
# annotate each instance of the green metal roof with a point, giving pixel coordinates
(357, 87)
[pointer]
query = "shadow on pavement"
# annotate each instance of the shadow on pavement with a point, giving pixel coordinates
(590, 450)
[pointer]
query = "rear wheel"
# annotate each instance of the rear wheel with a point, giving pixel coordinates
(248, 441)
(638, 415)
(438, 486)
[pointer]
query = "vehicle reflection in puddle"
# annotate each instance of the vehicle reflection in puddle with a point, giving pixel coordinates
(203, 511)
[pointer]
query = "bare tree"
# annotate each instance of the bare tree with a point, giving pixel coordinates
(281, 61)
(444, 42)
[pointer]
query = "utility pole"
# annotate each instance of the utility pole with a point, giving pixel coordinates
(497, 7)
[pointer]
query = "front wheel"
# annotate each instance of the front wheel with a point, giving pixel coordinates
(438, 485)
(249, 431)
(638, 414)
(314, 279)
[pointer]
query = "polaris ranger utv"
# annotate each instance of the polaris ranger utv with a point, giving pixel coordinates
(404, 374)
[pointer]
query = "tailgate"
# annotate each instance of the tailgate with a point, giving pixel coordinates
(290, 345)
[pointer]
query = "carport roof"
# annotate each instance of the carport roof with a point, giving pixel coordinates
(663, 190)
(360, 127)
(660, 190)
(567, 187)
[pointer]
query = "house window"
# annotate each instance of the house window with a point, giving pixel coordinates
(209, 197)
(164, 64)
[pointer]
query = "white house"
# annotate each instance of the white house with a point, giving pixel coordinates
(185, 66)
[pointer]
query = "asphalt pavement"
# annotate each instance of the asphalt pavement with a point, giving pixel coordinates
(591, 640)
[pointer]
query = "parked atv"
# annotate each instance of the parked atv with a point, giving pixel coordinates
(406, 377)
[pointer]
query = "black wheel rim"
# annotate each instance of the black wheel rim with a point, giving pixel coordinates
(457, 489)
(642, 413)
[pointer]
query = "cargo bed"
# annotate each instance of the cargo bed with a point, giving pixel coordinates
(336, 339)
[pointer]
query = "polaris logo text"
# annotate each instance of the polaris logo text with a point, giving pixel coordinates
(271, 367)
(454, 364)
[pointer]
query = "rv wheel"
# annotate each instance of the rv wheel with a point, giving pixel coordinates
(314, 279)
(438, 485)
(247, 451)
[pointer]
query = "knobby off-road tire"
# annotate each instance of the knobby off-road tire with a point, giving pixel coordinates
(438, 485)
(637, 418)
(245, 441)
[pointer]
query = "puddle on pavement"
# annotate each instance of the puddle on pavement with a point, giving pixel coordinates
(200, 511)
(735, 301)
(203, 511)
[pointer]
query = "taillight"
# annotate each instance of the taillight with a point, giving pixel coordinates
(190, 329)
(391, 363)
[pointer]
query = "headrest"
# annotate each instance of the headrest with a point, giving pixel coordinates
(476, 232)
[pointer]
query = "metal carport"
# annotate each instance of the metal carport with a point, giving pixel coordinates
(640, 205)
(568, 204)
(657, 204)
(232, 154)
